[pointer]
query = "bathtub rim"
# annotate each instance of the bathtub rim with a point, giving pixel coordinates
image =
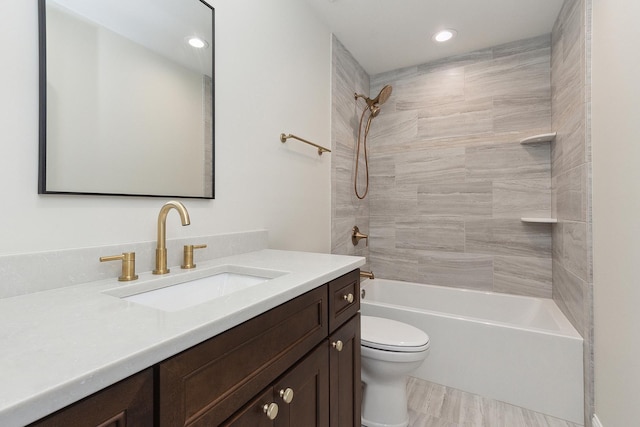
(566, 329)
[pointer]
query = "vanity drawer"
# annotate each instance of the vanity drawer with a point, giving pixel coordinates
(341, 291)
(206, 384)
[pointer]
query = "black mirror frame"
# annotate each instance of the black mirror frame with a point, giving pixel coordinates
(42, 120)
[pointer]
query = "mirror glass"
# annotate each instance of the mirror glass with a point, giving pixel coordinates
(126, 102)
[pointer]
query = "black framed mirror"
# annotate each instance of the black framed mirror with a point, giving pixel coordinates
(126, 98)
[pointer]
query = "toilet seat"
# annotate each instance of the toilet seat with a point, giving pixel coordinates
(391, 335)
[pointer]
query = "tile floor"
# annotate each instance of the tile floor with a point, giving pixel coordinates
(434, 405)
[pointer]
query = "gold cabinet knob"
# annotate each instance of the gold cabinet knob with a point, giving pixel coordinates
(271, 410)
(349, 298)
(187, 261)
(128, 265)
(337, 345)
(287, 395)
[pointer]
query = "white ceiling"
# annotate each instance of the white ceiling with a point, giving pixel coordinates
(385, 35)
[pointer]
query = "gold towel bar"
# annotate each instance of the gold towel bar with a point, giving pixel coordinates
(283, 139)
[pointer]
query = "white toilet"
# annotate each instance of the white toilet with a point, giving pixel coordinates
(390, 351)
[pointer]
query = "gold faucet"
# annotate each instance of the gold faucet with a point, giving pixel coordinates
(356, 235)
(367, 274)
(161, 248)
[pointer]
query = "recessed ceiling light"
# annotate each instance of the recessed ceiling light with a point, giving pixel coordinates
(444, 35)
(197, 42)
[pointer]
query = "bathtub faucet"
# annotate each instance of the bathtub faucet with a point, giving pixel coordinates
(356, 236)
(367, 274)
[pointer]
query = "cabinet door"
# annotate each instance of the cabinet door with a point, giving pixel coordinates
(254, 414)
(345, 387)
(127, 403)
(301, 397)
(302, 394)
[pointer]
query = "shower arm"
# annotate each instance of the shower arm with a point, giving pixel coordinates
(368, 100)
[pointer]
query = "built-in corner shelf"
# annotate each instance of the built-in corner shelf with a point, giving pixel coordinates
(540, 220)
(539, 139)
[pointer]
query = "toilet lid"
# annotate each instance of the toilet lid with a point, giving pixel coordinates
(391, 335)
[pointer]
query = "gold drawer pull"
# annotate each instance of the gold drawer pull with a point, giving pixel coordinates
(271, 410)
(348, 298)
(287, 395)
(337, 345)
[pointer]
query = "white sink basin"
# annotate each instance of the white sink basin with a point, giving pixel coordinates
(221, 282)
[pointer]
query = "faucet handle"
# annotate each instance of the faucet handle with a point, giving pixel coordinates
(356, 235)
(128, 265)
(188, 255)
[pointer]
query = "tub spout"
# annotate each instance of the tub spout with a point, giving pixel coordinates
(367, 274)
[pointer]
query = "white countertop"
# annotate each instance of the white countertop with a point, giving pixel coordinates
(59, 346)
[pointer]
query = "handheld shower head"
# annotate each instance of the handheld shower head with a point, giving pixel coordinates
(383, 96)
(374, 104)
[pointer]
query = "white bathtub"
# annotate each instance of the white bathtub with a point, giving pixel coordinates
(519, 350)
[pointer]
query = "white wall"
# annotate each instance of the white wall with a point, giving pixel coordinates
(272, 75)
(616, 209)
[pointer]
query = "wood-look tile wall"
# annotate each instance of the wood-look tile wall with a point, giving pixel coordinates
(449, 179)
(571, 177)
(348, 77)
(571, 163)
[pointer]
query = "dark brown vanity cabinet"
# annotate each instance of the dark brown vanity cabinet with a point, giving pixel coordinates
(126, 403)
(306, 351)
(325, 387)
(295, 365)
(208, 383)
